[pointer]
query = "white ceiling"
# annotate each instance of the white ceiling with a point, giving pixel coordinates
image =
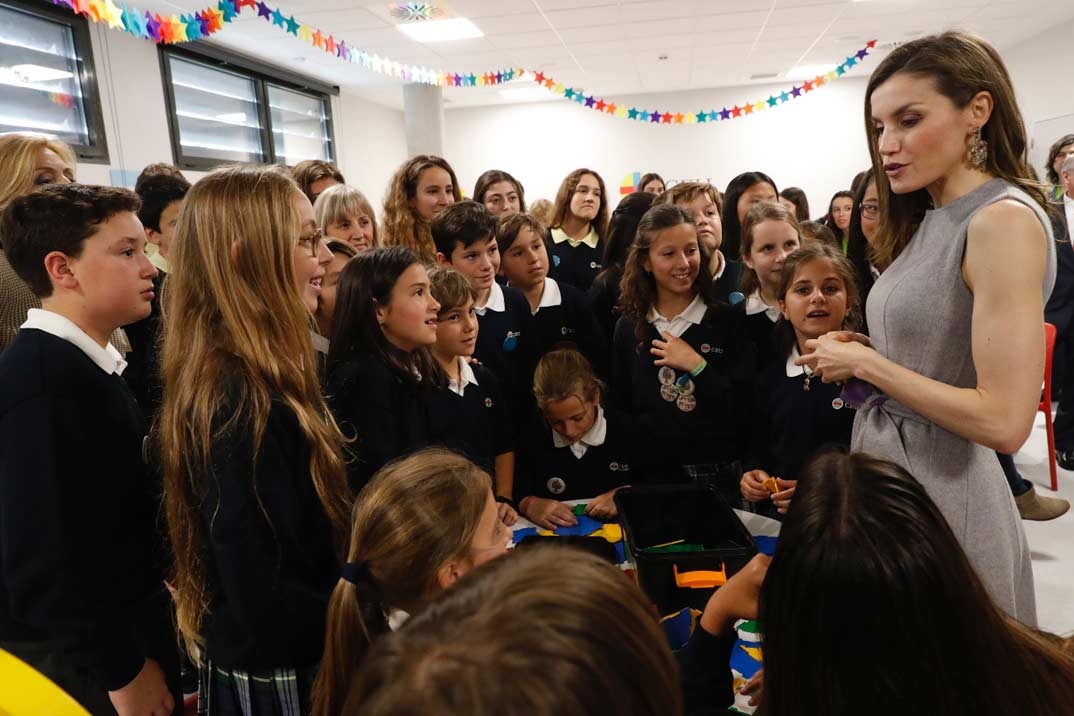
(614, 47)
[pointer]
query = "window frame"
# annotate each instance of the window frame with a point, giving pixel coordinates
(96, 152)
(262, 75)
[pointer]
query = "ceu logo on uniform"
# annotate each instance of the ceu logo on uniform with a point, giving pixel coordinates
(556, 485)
(488, 402)
(594, 265)
(706, 348)
(619, 467)
(567, 331)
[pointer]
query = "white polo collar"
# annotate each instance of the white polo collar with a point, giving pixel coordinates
(552, 296)
(466, 377)
(692, 315)
(107, 359)
(755, 304)
(495, 302)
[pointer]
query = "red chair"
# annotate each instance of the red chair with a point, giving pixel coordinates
(1046, 400)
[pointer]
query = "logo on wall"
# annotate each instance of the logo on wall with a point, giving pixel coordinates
(630, 182)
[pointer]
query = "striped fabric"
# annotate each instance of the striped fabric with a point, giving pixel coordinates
(279, 692)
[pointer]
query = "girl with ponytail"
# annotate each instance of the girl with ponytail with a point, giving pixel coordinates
(421, 523)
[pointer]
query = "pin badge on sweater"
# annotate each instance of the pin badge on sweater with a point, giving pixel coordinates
(556, 485)
(511, 342)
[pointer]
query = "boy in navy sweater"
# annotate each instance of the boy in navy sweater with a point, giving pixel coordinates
(82, 597)
(465, 238)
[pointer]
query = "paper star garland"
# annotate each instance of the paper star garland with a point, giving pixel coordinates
(177, 29)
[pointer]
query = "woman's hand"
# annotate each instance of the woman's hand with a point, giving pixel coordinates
(675, 352)
(507, 513)
(737, 599)
(834, 356)
(782, 499)
(602, 507)
(550, 514)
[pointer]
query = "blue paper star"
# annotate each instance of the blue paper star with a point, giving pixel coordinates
(714, 116)
(227, 7)
(784, 96)
(851, 61)
(293, 25)
(643, 116)
(772, 101)
(278, 19)
(569, 94)
(632, 113)
(702, 117)
(193, 28)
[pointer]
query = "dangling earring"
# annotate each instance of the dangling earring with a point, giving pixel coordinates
(978, 149)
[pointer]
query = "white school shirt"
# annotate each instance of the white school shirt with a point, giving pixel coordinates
(551, 296)
(466, 377)
(107, 359)
(495, 303)
(690, 316)
(755, 304)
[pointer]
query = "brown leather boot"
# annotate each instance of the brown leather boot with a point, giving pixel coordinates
(1032, 506)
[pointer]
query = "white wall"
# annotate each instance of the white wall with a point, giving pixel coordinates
(816, 142)
(370, 142)
(1041, 69)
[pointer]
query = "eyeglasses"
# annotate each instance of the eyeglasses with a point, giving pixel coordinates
(312, 240)
(869, 211)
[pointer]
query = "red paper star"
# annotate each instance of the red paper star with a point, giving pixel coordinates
(678, 119)
(871, 44)
(807, 86)
(167, 32)
(240, 4)
(539, 78)
(736, 111)
(600, 105)
(318, 39)
(330, 45)
(81, 6)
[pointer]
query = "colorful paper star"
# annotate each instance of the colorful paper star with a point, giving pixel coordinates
(277, 18)
(264, 11)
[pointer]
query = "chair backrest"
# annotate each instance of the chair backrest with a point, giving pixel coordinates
(35, 694)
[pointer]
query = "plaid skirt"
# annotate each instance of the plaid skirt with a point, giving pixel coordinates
(278, 692)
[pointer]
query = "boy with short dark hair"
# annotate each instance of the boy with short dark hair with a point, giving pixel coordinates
(81, 566)
(465, 238)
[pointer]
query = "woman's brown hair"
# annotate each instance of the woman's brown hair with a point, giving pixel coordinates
(638, 287)
(506, 641)
(760, 213)
(562, 374)
(400, 226)
(870, 597)
(234, 317)
(960, 66)
(415, 515)
(562, 209)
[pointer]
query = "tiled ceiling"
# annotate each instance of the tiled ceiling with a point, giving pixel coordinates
(622, 47)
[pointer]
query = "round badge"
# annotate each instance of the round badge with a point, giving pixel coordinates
(555, 261)
(838, 403)
(666, 375)
(706, 348)
(488, 402)
(592, 264)
(668, 393)
(735, 298)
(563, 330)
(510, 343)
(686, 403)
(556, 485)
(614, 467)
(687, 388)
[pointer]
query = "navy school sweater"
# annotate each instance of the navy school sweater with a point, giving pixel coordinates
(571, 324)
(710, 425)
(506, 345)
(477, 423)
(575, 265)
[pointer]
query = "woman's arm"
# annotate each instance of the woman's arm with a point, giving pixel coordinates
(1004, 268)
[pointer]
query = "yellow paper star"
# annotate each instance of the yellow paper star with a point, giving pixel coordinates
(832, 75)
(559, 89)
(691, 118)
(96, 10)
(759, 106)
(113, 15)
(621, 112)
(304, 33)
(178, 30)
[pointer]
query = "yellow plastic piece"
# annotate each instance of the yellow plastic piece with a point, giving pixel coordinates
(700, 579)
(771, 485)
(25, 692)
(611, 532)
(545, 533)
(668, 544)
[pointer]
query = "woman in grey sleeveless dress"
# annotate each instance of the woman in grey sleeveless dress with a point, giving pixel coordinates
(956, 323)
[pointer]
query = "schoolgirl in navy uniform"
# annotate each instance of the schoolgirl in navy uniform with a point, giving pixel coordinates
(561, 312)
(678, 354)
(769, 235)
(579, 226)
(576, 448)
(797, 415)
(380, 369)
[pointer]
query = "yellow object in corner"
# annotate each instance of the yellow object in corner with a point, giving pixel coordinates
(25, 692)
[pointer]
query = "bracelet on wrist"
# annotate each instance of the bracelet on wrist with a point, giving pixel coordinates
(700, 367)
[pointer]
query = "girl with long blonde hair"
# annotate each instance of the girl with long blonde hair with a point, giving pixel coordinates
(254, 480)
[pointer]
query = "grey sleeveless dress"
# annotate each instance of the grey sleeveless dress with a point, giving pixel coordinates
(919, 315)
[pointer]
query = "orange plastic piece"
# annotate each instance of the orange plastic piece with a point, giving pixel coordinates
(771, 485)
(700, 579)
